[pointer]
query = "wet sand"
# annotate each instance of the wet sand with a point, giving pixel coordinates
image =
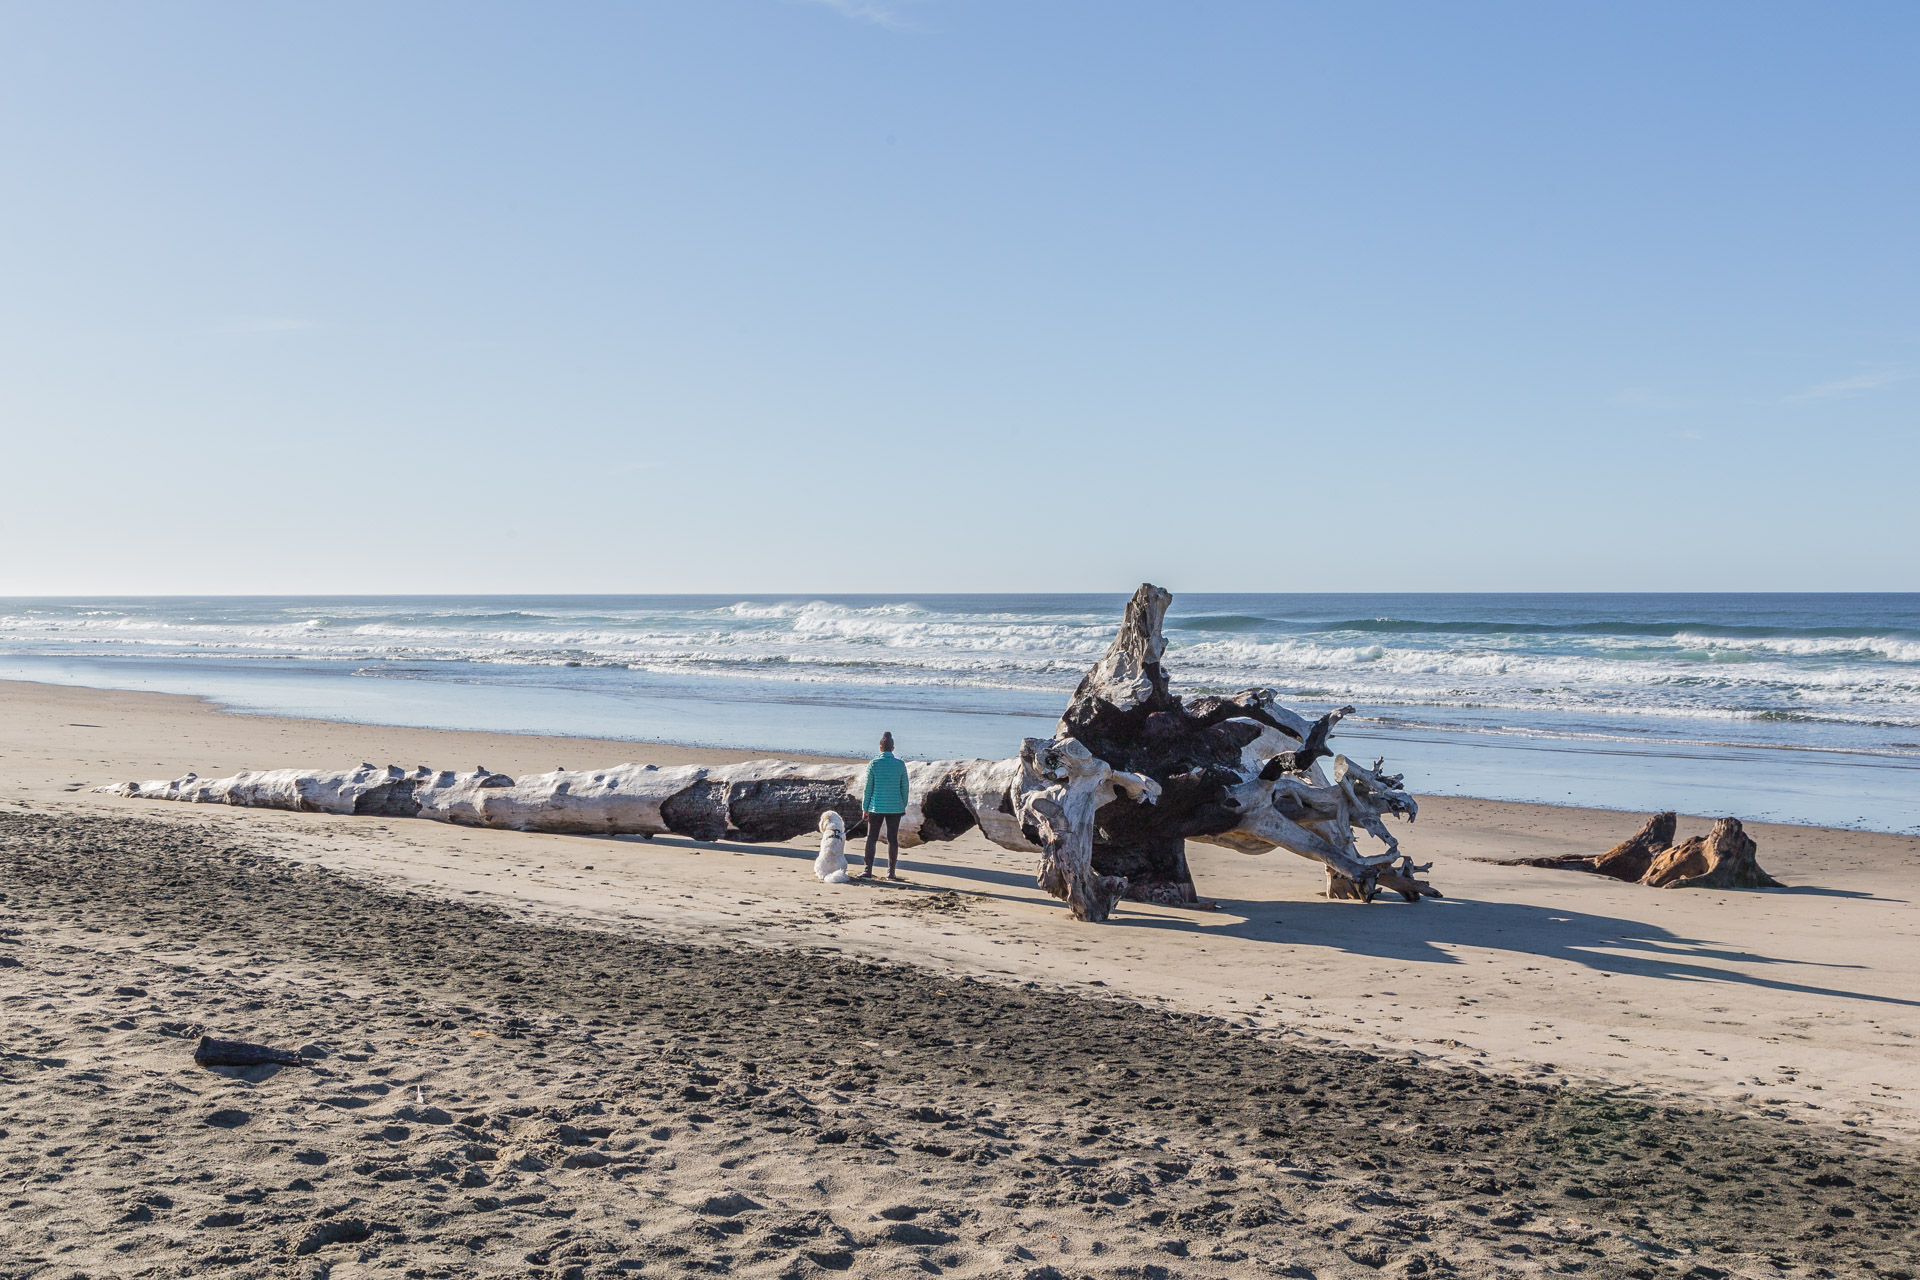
(566, 1056)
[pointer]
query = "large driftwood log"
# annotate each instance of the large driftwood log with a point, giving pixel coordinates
(1108, 803)
(758, 801)
(1240, 771)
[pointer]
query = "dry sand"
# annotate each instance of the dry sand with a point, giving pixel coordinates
(568, 1056)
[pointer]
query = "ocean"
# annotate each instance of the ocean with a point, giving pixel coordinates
(1787, 708)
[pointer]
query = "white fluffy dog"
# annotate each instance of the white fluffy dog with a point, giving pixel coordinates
(831, 865)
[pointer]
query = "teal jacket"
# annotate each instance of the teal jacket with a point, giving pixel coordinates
(886, 789)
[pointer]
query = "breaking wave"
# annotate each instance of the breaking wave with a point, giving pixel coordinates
(1784, 667)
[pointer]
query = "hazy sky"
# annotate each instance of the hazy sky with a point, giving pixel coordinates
(782, 295)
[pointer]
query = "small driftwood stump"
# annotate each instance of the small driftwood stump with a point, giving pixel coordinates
(1721, 859)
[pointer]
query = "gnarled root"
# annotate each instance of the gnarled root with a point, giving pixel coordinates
(1060, 786)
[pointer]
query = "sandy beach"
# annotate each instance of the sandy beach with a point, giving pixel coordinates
(1275, 506)
(571, 1056)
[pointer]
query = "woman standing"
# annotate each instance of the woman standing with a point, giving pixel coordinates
(884, 799)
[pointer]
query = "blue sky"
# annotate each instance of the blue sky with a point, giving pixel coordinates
(781, 295)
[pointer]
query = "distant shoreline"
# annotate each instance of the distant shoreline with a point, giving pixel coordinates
(1824, 788)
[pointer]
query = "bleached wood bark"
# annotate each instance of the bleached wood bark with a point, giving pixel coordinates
(1058, 789)
(760, 800)
(1108, 803)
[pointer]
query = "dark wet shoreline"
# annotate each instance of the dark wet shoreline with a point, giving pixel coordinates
(1168, 1135)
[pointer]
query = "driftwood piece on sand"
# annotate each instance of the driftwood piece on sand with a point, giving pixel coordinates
(757, 801)
(1627, 860)
(238, 1053)
(1108, 803)
(1630, 859)
(1402, 878)
(1721, 859)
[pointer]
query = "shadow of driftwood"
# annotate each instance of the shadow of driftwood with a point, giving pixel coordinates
(1427, 932)
(1418, 933)
(1802, 890)
(1815, 891)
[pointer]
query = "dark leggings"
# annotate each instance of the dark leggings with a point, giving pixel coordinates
(893, 837)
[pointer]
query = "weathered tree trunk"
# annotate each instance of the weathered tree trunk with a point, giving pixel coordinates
(760, 800)
(1108, 803)
(1240, 771)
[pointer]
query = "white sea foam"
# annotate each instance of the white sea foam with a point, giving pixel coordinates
(1729, 672)
(1884, 648)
